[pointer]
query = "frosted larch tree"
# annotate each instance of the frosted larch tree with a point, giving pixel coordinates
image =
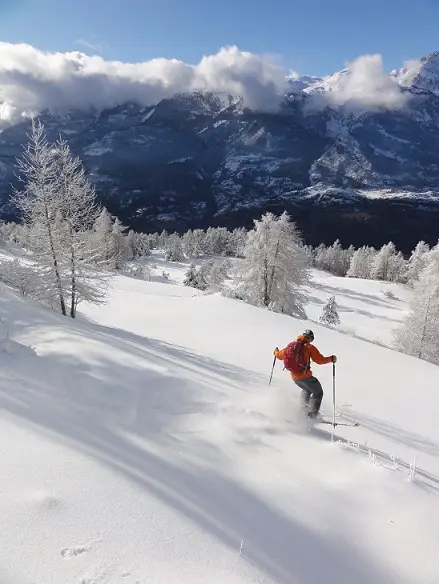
(59, 208)
(274, 268)
(416, 262)
(382, 263)
(361, 263)
(79, 210)
(419, 333)
(39, 204)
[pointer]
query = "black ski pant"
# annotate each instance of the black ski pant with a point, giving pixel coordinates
(312, 393)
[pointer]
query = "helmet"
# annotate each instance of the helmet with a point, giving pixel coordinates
(309, 334)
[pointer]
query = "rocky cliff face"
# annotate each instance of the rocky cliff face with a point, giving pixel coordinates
(364, 175)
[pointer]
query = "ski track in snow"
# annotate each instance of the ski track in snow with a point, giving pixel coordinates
(143, 444)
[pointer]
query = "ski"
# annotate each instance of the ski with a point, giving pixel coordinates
(351, 424)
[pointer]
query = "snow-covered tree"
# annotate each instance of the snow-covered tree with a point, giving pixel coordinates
(15, 233)
(274, 269)
(346, 259)
(146, 244)
(153, 239)
(111, 241)
(224, 267)
(334, 259)
(213, 273)
(161, 239)
(39, 203)
(131, 243)
(237, 242)
(321, 257)
(416, 262)
(25, 278)
(190, 276)
(119, 248)
(195, 278)
(174, 249)
(59, 208)
(77, 213)
(309, 254)
(329, 313)
(419, 333)
(102, 228)
(140, 244)
(217, 275)
(6, 231)
(194, 243)
(361, 263)
(397, 270)
(141, 271)
(188, 243)
(382, 263)
(199, 243)
(20, 235)
(217, 241)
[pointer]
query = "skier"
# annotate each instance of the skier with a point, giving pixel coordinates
(297, 358)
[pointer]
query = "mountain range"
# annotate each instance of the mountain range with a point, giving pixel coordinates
(347, 169)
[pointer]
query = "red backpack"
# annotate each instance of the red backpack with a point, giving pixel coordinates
(296, 358)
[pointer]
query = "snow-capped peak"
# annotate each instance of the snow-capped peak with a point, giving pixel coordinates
(420, 74)
(297, 83)
(328, 83)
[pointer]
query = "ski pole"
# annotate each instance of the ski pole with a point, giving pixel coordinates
(333, 400)
(272, 369)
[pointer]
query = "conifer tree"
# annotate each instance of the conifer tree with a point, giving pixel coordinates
(329, 313)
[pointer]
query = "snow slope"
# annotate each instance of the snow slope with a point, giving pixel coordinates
(141, 444)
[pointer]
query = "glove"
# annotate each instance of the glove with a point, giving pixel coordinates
(276, 351)
(334, 359)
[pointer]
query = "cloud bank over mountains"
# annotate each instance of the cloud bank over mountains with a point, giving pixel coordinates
(32, 80)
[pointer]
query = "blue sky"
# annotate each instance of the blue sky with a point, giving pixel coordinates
(312, 36)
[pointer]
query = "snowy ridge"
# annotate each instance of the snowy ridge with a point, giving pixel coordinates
(143, 443)
(422, 74)
(419, 74)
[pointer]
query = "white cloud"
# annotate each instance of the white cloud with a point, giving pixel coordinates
(407, 74)
(363, 85)
(31, 80)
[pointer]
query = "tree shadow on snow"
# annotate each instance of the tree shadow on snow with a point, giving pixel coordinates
(274, 543)
(123, 415)
(347, 309)
(363, 296)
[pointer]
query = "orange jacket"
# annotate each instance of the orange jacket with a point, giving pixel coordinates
(311, 352)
